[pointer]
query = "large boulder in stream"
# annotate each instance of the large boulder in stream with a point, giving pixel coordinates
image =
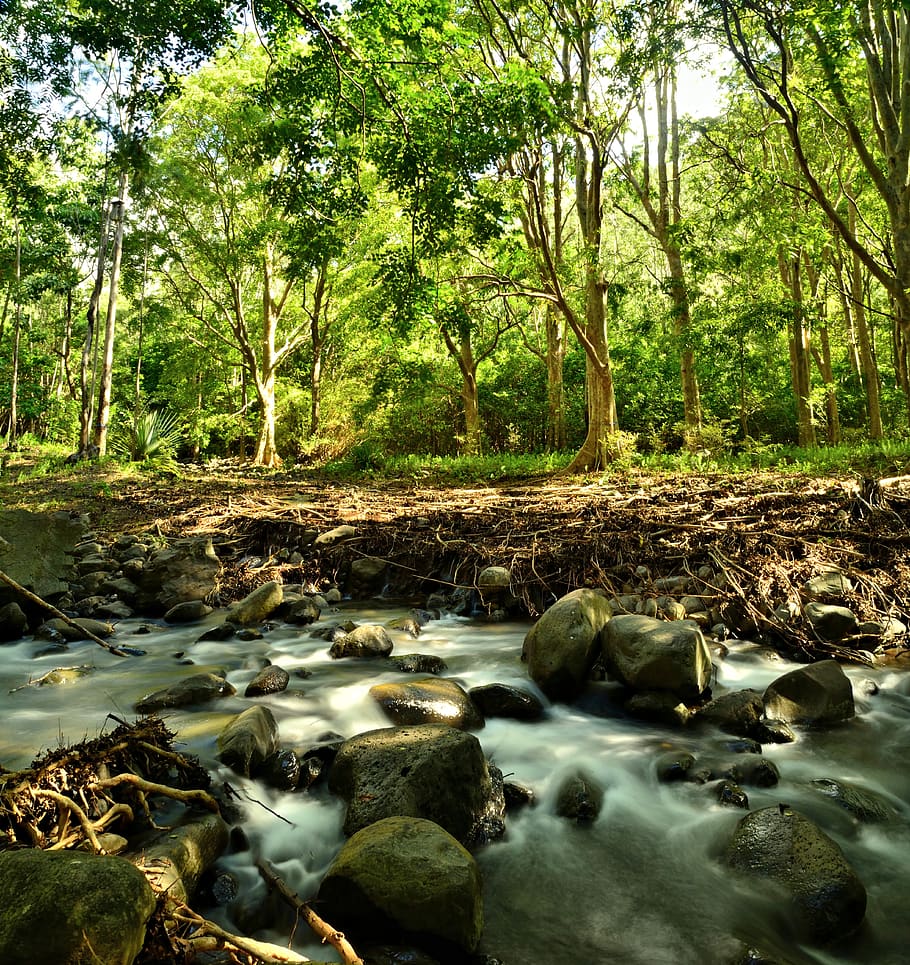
(71, 907)
(368, 640)
(428, 701)
(248, 740)
(199, 688)
(562, 647)
(405, 874)
(37, 550)
(649, 654)
(821, 895)
(13, 623)
(187, 570)
(428, 771)
(257, 606)
(820, 693)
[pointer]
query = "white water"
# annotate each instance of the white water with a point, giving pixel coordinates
(642, 885)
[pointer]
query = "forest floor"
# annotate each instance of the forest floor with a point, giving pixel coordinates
(766, 533)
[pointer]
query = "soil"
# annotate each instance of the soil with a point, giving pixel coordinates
(761, 535)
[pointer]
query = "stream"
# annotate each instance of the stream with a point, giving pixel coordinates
(642, 886)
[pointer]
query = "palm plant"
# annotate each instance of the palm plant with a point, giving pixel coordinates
(151, 437)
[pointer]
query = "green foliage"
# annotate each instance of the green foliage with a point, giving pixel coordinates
(151, 438)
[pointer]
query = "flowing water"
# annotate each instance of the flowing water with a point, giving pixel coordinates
(643, 884)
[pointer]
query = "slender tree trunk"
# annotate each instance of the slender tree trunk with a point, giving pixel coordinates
(556, 395)
(107, 360)
(870, 374)
(463, 353)
(12, 435)
(901, 362)
(799, 350)
(86, 373)
(137, 389)
(66, 350)
(266, 453)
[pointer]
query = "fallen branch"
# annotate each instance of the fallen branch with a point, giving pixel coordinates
(263, 952)
(322, 928)
(148, 787)
(32, 598)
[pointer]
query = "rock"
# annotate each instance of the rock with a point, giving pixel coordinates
(13, 623)
(257, 606)
(865, 806)
(56, 628)
(223, 631)
(660, 706)
(831, 622)
(186, 570)
(819, 693)
(190, 612)
(115, 610)
(735, 713)
(754, 770)
(337, 535)
(648, 654)
(773, 732)
(731, 795)
(197, 689)
(824, 896)
(418, 663)
(579, 799)
(175, 859)
(429, 771)
(37, 550)
(302, 612)
(563, 645)
(694, 604)
(124, 588)
(281, 770)
(500, 700)
(494, 581)
(269, 680)
(427, 701)
(408, 624)
(368, 575)
(248, 740)
(408, 874)
(58, 908)
(674, 766)
(369, 640)
(823, 585)
(517, 796)
(674, 611)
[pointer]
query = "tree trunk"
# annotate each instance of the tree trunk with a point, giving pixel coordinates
(556, 395)
(86, 375)
(800, 372)
(12, 435)
(107, 361)
(266, 454)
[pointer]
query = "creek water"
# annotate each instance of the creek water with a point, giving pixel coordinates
(643, 884)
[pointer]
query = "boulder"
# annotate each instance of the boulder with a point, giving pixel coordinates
(302, 612)
(661, 706)
(175, 859)
(71, 907)
(197, 689)
(419, 663)
(500, 700)
(339, 534)
(579, 798)
(822, 894)
(494, 581)
(13, 623)
(190, 612)
(367, 575)
(827, 584)
(405, 874)
(737, 712)
(37, 550)
(428, 701)
(862, 805)
(820, 693)
(281, 770)
(257, 606)
(648, 654)
(186, 570)
(248, 740)
(831, 622)
(369, 640)
(562, 647)
(56, 628)
(429, 771)
(269, 680)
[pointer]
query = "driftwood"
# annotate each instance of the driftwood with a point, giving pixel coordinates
(70, 795)
(33, 598)
(321, 928)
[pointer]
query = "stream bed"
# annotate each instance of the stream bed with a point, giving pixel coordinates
(643, 885)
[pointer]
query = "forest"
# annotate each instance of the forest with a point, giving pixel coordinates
(296, 232)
